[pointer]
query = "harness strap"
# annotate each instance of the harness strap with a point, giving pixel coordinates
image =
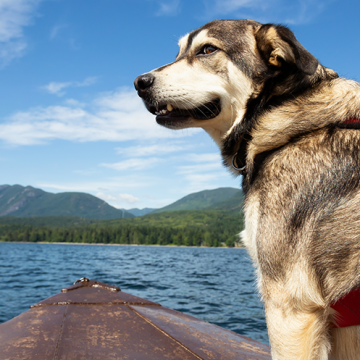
(350, 124)
(348, 310)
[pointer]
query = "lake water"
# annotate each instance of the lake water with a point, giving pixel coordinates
(214, 284)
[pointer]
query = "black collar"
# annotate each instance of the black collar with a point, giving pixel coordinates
(238, 161)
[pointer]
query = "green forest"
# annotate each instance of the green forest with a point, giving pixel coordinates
(178, 228)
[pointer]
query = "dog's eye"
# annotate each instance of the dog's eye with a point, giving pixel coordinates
(207, 49)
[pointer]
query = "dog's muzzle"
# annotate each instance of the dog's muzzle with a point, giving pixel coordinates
(167, 113)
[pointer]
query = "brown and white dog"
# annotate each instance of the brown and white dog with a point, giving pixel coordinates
(288, 125)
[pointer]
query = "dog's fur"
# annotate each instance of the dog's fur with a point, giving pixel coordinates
(280, 115)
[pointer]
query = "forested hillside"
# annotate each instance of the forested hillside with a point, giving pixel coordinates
(200, 200)
(190, 228)
(27, 201)
(217, 225)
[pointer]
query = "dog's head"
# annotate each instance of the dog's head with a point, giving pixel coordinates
(224, 74)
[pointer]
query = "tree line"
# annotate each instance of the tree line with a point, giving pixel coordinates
(130, 235)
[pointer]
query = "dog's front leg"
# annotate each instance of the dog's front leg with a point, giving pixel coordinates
(296, 334)
(345, 343)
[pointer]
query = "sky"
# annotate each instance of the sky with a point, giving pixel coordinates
(70, 119)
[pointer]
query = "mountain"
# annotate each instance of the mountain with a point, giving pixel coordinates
(218, 199)
(140, 212)
(214, 225)
(233, 205)
(200, 200)
(27, 201)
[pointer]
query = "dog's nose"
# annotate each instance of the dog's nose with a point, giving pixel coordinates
(143, 82)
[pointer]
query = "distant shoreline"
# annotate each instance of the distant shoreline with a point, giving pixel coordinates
(153, 245)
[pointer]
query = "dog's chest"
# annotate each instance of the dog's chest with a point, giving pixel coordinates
(248, 235)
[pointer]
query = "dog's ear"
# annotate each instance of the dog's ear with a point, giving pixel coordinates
(278, 46)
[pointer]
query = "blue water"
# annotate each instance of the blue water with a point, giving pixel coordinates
(213, 284)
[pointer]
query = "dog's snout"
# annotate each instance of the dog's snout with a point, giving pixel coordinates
(143, 82)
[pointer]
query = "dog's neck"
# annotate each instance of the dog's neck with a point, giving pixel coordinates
(220, 129)
(278, 126)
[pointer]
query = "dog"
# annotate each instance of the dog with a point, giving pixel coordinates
(288, 125)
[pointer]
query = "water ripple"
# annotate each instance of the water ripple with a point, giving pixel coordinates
(216, 285)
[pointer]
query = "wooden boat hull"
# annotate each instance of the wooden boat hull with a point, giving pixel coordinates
(93, 320)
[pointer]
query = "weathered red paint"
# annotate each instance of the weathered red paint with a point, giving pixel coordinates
(92, 320)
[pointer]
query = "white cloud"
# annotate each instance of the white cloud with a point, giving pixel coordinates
(305, 11)
(208, 162)
(283, 11)
(125, 101)
(228, 6)
(209, 157)
(127, 201)
(56, 30)
(206, 174)
(87, 82)
(63, 33)
(155, 149)
(14, 16)
(118, 200)
(133, 164)
(112, 185)
(75, 103)
(57, 87)
(200, 168)
(169, 8)
(10, 51)
(116, 116)
(200, 181)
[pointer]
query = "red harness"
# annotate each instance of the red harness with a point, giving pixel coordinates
(348, 307)
(348, 310)
(350, 124)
